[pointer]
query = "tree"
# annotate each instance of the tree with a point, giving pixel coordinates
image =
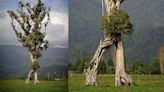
(110, 67)
(81, 63)
(30, 18)
(161, 59)
(102, 68)
(154, 66)
(114, 23)
(84, 61)
(138, 67)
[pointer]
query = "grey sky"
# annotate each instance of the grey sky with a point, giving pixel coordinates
(57, 30)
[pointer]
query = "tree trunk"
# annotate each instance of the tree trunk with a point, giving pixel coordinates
(91, 70)
(29, 76)
(121, 78)
(161, 65)
(36, 81)
(109, 4)
(32, 71)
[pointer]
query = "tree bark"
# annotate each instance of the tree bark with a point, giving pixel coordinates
(32, 71)
(29, 76)
(36, 81)
(121, 78)
(109, 4)
(91, 70)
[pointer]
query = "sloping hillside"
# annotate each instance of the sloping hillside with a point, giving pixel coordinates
(14, 60)
(146, 15)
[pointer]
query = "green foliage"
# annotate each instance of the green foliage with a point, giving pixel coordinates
(138, 67)
(154, 67)
(110, 67)
(35, 65)
(85, 33)
(102, 67)
(72, 67)
(82, 63)
(85, 61)
(36, 54)
(117, 22)
(30, 20)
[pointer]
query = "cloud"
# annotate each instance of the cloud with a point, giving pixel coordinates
(2, 14)
(5, 28)
(57, 30)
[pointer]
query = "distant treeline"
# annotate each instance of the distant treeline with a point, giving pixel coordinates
(136, 67)
(47, 76)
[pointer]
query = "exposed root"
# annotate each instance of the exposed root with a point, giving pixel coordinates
(123, 80)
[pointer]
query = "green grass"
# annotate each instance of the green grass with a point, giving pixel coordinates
(44, 86)
(143, 83)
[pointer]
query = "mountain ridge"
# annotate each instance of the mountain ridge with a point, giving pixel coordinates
(85, 34)
(15, 60)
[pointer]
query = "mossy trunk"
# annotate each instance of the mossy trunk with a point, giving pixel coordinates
(33, 72)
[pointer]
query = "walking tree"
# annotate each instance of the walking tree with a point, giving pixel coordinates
(30, 19)
(161, 59)
(114, 23)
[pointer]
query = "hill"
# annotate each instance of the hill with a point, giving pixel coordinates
(85, 34)
(15, 61)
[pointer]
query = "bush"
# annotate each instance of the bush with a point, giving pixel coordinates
(117, 22)
(35, 65)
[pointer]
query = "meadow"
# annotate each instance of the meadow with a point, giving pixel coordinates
(143, 83)
(44, 86)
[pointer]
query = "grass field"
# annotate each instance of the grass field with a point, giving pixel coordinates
(44, 86)
(143, 83)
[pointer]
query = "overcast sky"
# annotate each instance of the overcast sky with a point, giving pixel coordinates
(57, 29)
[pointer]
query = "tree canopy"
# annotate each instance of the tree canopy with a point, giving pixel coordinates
(117, 22)
(30, 18)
